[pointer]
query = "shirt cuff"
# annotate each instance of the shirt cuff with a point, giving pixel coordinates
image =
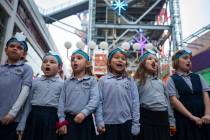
(100, 125)
(20, 127)
(12, 113)
(61, 119)
(85, 112)
(135, 129)
(171, 94)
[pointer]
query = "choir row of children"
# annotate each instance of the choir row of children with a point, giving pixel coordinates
(124, 108)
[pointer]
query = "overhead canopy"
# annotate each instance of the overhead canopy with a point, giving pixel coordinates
(201, 61)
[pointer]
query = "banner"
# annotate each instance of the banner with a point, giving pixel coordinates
(100, 62)
(165, 72)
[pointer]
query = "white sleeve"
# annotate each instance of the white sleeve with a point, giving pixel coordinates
(204, 84)
(20, 100)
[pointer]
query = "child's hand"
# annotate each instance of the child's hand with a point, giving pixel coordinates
(20, 134)
(172, 130)
(101, 130)
(7, 119)
(206, 119)
(62, 130)
(198, 121)
(79, 118)
(135, 129)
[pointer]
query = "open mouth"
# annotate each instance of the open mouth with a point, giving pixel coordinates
(47, 69)
(153, 65)
(119, 65)
(188, 65)
(75, 66)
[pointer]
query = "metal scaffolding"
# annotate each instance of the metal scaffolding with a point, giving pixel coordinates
(158, 19)
(197, 34)
(176, 24)
(64, 10)
(114, 28)
(106, 25)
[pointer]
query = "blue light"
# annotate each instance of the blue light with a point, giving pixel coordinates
(119, 6)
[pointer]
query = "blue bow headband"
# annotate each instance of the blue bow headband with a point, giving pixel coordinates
(22, 42)
(116, 50)
(145, 55)
(81, 52)
(56, 55)
(182, 53)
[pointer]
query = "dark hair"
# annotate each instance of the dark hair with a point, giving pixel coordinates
(175, 64)
(22, 43)
(89, 68)
(140, 74)
(61, 72)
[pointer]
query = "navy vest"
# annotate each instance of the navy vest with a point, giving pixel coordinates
(184, 89)
(192, 99)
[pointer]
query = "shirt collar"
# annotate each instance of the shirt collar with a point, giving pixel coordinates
(84, 78)
(16, 64)
(183, 73)
(54, 78)
(111, 75)
(151, 77)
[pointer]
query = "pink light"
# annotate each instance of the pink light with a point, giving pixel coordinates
(142, 41)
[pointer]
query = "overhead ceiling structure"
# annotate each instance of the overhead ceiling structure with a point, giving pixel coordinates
(152, 16)
(199, 44)
(117, 21)
(140, 14)
(107, 24)
(199, 41)
(64, 10)
(159, 20)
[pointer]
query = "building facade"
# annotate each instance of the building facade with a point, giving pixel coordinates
(23, 16)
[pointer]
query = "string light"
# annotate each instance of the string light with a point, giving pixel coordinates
(119, 6)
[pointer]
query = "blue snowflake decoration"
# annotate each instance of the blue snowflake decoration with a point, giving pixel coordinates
(119, 6)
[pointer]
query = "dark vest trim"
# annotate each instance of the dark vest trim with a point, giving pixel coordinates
(184, 89)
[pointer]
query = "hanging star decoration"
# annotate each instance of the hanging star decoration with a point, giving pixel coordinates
(141, 40)
(119, 6)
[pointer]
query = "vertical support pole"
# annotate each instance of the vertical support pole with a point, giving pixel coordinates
(176, 24)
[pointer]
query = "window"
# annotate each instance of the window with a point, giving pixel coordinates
(34, 60)
(24, 15)
(11, 2)
(3, 25)
(16, 29)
